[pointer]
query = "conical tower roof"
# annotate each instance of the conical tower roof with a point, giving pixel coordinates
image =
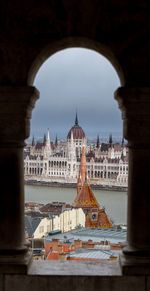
(86, 198)
(83, 167)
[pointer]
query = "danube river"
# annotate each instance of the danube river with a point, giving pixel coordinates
(115, 202)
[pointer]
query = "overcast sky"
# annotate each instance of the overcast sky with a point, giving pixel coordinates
(76, 79)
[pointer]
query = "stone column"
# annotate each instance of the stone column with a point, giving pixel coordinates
(16, 104)
(135, 106)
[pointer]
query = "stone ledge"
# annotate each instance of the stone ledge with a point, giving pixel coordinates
(74, 283)
(74, 276)
(69, 268)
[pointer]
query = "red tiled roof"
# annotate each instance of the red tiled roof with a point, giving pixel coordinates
(53, 209)
(86, 198)
(103, 220)
(53, 256)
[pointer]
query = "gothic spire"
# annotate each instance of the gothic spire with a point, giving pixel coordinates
(97, 143)
(33, 142)
(76, 119)
(122, 143)
(110, 139)
(83, 167)
(48, 137)
(56, 141)
(44, 139)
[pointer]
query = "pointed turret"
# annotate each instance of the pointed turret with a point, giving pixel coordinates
(122, 155)
(110, 140)
(85, 199)
(44, 139)
(47, 145)
(79, 185)
(83, 167)
(97, 143)
(122, 143)
(48, 137)
(33, 142)
(76, 119)
(56, 142)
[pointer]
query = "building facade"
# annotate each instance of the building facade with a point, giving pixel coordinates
(66, 221)
(107, 164)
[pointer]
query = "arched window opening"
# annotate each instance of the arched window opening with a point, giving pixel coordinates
(76, 110)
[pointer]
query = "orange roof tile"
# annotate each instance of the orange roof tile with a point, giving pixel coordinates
(103, 220)
(86, 198)
(53, 256)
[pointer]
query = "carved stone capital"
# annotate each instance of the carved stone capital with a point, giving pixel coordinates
(16, 104)
(135, 106)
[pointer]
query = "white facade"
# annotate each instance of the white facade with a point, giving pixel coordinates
(108, 166)
(67, 220)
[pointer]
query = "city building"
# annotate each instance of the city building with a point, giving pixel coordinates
(107, 164)
(30, 34)
(67, 220)
(85, 245)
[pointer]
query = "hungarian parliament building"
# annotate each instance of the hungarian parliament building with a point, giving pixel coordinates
(107, 163)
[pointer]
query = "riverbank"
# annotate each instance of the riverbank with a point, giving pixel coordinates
(74, 185)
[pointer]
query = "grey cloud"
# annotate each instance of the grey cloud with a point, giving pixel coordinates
(76, 79)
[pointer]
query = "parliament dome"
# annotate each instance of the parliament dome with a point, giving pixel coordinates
(77, 131)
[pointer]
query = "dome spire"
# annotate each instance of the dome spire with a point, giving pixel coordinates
(76, 119)
(97, 143)
(110, 140)
(56, 141)
(33, 142)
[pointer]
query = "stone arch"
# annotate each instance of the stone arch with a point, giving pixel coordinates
(80, 42)
(115, 23)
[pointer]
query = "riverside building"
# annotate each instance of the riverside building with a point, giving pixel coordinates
(29, 35)
(107, 164)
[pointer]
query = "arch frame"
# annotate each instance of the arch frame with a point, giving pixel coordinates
(74, 42)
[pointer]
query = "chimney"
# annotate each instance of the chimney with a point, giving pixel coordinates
(55, 242)
(77, 244)
(62, 257)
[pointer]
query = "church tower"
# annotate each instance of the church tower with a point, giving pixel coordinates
(47, 146)
(111, 152)
(85, 199)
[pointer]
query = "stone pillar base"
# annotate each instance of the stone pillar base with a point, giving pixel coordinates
(134, 265)
(15, 262)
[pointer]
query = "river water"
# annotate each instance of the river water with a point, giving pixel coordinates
(115, 202)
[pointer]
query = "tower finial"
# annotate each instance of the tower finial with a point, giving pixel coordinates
(110, 139)
(44, 139)
(48, 137)
(56, 141)
(97, 143)
(76, 119)
(122, 143)
(33, 142)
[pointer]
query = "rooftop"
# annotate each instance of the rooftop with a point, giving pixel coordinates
(96, 234)
(94, 254)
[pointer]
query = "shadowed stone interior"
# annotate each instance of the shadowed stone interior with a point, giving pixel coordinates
(30, 32)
